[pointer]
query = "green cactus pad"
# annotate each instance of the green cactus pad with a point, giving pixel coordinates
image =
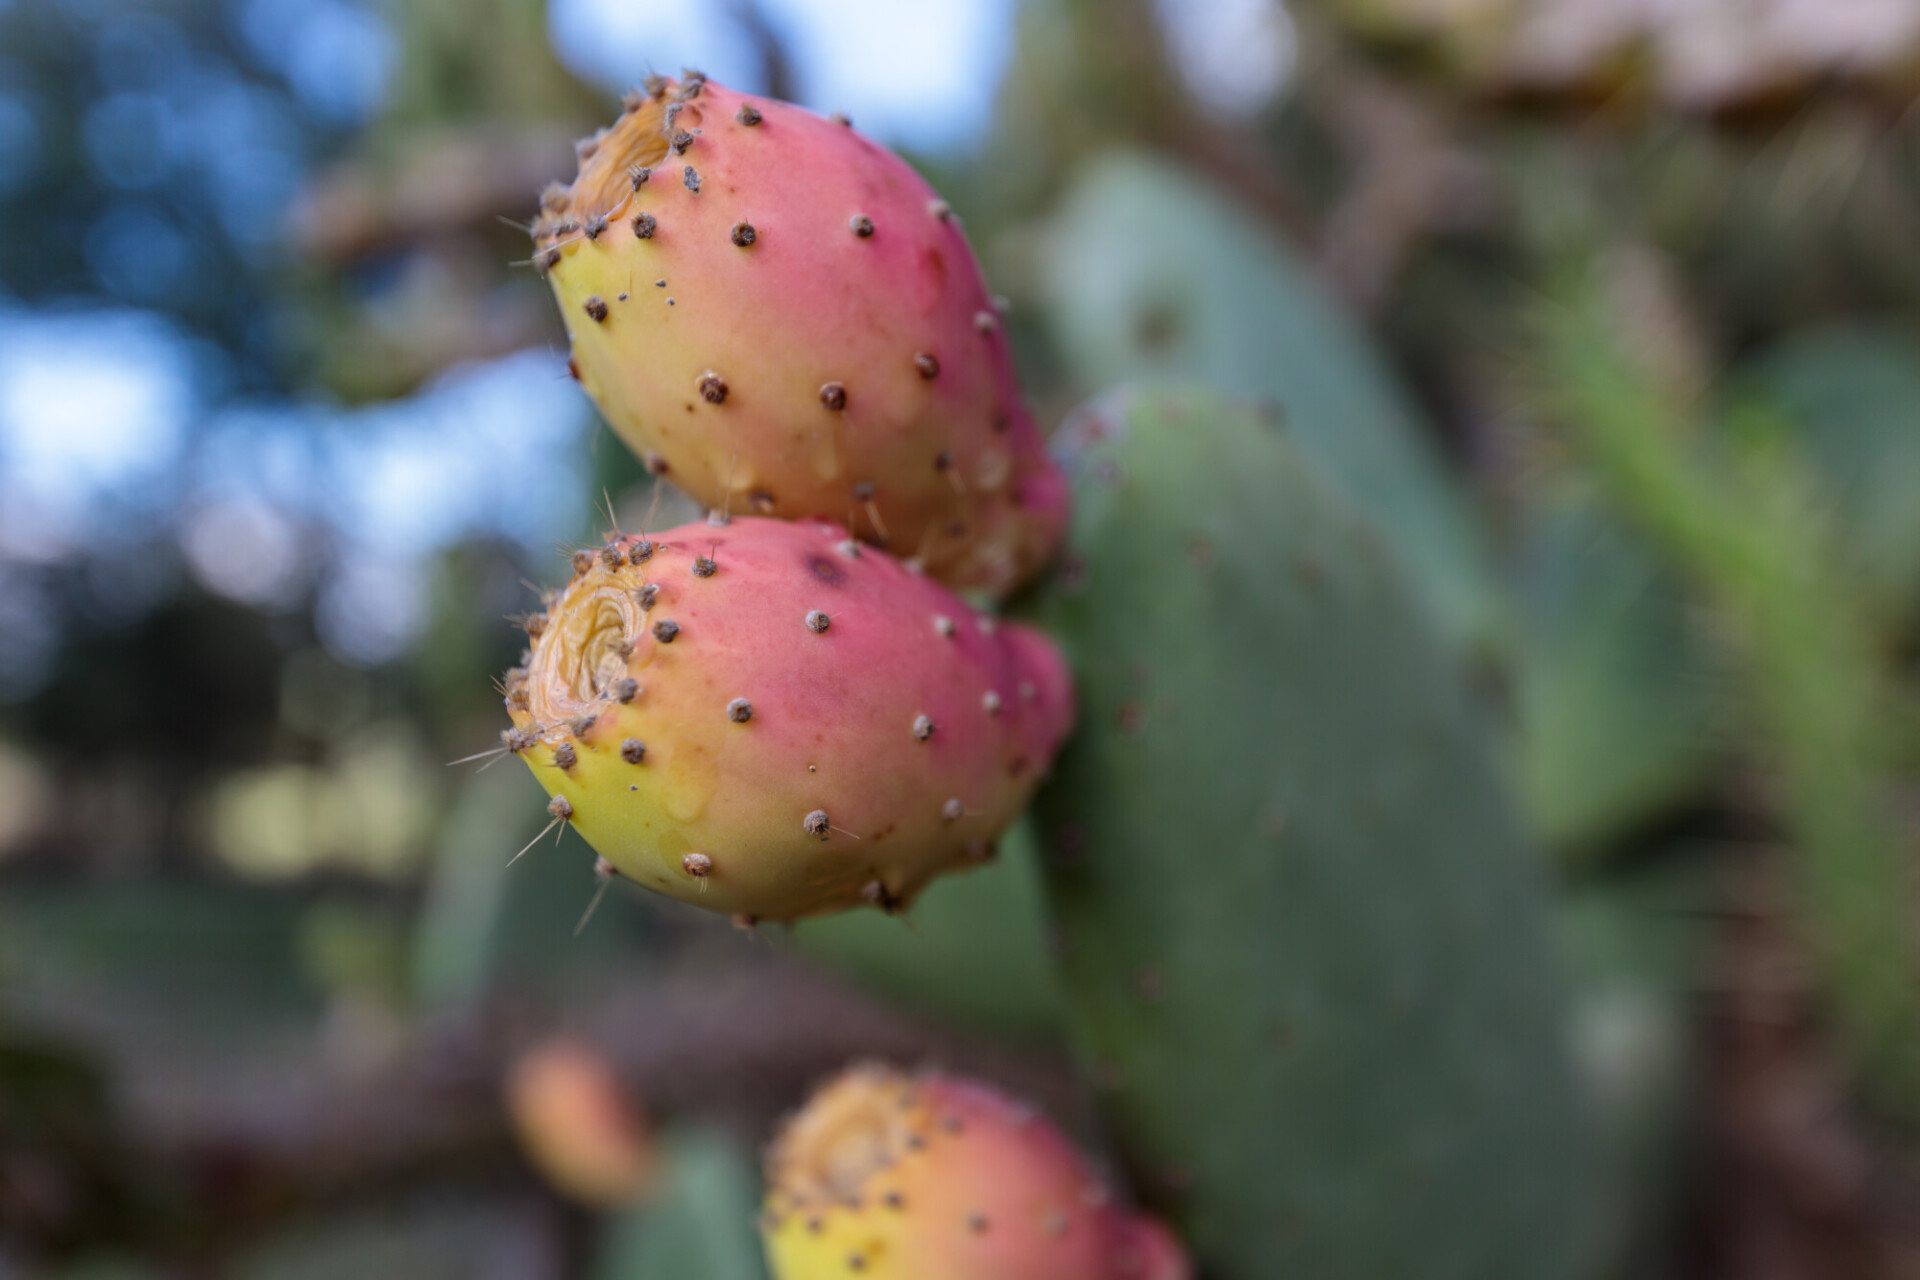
(1617, 689)
(1152, 272)
(1304, 947)
(972, 950)
(701, 1225)
(1851, 396)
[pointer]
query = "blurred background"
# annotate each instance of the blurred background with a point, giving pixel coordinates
(1627, 290)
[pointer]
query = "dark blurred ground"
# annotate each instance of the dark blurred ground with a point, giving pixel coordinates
(285, 436)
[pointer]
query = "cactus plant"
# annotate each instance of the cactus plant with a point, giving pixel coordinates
(701, 1225)
(1220, 300)
(762, 718)
(975, 954)
(1303, 944)
(1279, 855)
(1753, 532)
(1617, 693)
(783, 316)
(932, 1177)
(1852, 396)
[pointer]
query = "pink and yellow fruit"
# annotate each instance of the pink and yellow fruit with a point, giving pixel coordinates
(579, 1127)
(767, 719)
(782, 316)
(890, 1176)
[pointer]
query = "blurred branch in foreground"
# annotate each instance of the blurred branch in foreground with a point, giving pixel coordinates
(733, 1034)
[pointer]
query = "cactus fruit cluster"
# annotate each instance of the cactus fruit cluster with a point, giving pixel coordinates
(932, 1177)
(783, 317)
(770, 720)
(1300, 946)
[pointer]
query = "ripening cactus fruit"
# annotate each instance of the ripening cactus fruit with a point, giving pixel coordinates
(782, 316)
(890, 1176)
(767, 719)
(579, 1127)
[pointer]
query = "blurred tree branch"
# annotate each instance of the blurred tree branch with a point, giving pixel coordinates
(729, 1032)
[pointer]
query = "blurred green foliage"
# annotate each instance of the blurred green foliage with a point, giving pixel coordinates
(1742, 513)
(1615, 689)
(974, 950)
(1152, 274)
(700, 1225)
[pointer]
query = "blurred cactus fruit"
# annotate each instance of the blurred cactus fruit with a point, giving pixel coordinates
(765, 718)
(1302, 943)
(894, 1176)
(781, 315)
(579, 1127)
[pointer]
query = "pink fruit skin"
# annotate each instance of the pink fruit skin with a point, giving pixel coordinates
(821, 726)
(934, 1177)
(814, 370)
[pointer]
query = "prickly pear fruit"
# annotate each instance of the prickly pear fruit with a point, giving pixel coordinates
(579, 1127)
(781, 315)
(768, 719)
(931, 1177)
